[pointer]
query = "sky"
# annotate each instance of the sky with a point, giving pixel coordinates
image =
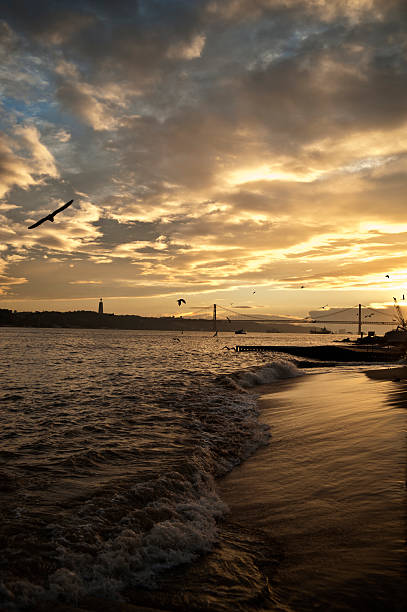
(239, 152)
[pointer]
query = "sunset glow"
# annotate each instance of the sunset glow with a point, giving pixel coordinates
(209, 147)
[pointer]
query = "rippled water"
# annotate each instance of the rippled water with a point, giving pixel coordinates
(111, 444)
(110, 441)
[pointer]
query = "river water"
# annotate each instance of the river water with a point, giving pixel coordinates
(139, 467)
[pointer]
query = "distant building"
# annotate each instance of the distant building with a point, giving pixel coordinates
(101, 306)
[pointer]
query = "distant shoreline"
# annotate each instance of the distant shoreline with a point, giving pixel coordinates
(87, 319)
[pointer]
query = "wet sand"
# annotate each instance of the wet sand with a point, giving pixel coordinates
(394, 374)
(330, 488)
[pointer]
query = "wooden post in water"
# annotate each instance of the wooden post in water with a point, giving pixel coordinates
(360, 320)
(215, 328)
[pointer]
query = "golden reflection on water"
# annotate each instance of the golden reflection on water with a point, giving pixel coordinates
(331, 488)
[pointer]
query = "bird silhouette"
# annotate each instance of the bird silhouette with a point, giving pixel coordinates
(51, 216)
(302, 286)
(387, 276)
(324, 306)
(228, 319)
(180, 301)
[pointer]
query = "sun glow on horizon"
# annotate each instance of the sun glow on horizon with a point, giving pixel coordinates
(218, 152)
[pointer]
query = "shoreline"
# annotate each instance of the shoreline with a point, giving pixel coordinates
(164, 598)
(390, 374)
(309, 463)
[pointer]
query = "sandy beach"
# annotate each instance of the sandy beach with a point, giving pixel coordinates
(330, 490)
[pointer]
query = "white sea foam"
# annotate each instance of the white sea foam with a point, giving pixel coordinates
(262, 375)
(183, 526)
(162, 522)
(151, 445)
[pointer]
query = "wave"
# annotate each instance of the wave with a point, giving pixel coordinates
(130, 531)
(125, 537)
(261, 375)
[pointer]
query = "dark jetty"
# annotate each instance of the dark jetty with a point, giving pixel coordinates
(332, 353)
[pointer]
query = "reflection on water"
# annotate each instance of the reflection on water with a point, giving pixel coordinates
(110, 443)
(331, 488)
(397, 394)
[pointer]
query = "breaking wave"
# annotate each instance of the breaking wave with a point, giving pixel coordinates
(261, 375)
(149, 515)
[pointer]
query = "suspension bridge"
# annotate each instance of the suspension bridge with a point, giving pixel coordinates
(358, 314)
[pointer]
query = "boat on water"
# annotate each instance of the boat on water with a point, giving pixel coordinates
(240, 331)
(320, 330)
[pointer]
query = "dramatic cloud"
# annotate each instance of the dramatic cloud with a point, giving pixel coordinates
(24, 160)
(208, 146)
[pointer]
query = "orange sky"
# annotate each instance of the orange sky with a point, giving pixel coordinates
(211, 149)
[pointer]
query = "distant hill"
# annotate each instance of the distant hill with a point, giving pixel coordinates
(88, 319)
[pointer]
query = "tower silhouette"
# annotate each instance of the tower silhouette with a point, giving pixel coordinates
(101, 306)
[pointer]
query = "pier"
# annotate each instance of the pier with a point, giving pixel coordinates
(330, 352)
(249, 348)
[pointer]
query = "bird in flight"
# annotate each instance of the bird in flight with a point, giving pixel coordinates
(51, 216)
(387, 276)
(180, 301)
(324, 306)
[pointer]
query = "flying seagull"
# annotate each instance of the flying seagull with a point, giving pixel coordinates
(387, 276)
(180, 301)
(51, 216)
